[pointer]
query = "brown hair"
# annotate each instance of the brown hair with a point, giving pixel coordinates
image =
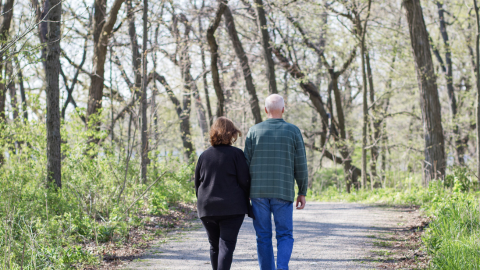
(223, 131)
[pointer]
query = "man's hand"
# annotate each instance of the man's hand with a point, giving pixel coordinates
(301, 200)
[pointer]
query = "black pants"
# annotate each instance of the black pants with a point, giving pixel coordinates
(222, 234)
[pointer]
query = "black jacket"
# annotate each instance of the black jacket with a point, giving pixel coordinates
(222, 182)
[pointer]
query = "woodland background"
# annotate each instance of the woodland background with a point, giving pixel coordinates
(106, 105)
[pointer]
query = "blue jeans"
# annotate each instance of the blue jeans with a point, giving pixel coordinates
(283, 216)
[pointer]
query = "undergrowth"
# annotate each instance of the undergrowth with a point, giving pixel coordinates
(100, 201)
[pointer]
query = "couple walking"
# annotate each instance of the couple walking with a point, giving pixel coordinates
(227, 179)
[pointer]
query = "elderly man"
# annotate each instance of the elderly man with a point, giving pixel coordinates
(275, 153)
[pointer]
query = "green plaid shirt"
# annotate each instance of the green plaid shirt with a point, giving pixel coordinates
(275, 152)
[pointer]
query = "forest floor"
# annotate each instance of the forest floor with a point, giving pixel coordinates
(327, 236)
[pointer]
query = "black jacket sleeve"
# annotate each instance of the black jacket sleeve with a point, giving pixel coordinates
(243, 174)
(197, 175)
(244, 180)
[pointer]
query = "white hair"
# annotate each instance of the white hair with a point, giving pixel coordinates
(274, 102)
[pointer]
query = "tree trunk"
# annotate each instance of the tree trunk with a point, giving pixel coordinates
(242, 57)
(102, 30)
(365, 117)
(22, 92)
(11, 88)
(4, 34)
(136, 56)
(267, 48)
(350, 171)
(311, 154)
(204, 73)
(201, 114)
(375, 125)
(52, 72)
(189, 83)
(144, 137)
(361, 35)
(42, 27)
(477, 68)
(429, 102)
(205, 89)
(214, 57)
(448, 72)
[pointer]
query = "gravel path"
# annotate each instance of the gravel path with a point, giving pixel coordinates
(327, 236)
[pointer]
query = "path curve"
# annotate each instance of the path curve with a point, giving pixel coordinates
(327, 236)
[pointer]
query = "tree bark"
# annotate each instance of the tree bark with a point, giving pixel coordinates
(311, 154)
(361, 34)
(214, 56)
(11, 88)
(22, 91)
(52, 72)
(267, 48)
(42, 28)
(477, 68)
(102, 30)
(375, 125)
(204, 70)
(429, 102)
(144, 137)
(4, 34)
(136, 56)
(448, 72)
(190, 86)
(242, 57)
(365, 117)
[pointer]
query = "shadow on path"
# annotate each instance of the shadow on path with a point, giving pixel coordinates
(327, 236)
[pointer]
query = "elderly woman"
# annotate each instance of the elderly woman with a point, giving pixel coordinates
(222, 184)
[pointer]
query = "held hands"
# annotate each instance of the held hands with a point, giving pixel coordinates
(301, 201)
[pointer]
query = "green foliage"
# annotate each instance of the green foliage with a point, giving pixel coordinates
(44, 228)
(452, 237)
(460, 180)
(176, 187)
(328, 178)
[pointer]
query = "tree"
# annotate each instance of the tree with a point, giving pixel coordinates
(204, 69)
(144, 136)
(102, 30)
(266, 46)
(477, 69)
(222, 5)
(242, 57)
(361, 31)
(447, 70)
(181, 58)
(435, 163)
(52, 72)
(4, 34)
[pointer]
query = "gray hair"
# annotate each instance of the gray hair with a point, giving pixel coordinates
(274, 102)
